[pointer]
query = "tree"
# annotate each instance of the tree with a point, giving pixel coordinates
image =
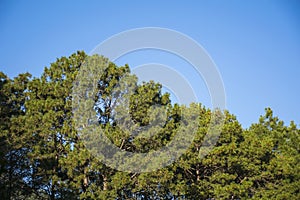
(48, 151)
(14, 167)
(48, 127)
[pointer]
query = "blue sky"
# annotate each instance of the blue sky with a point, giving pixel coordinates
(255, 44)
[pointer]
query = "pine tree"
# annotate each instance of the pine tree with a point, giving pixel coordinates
(14, 167)
(48, 127)
(53, 128)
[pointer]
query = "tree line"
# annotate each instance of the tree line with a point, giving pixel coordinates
(43, 157)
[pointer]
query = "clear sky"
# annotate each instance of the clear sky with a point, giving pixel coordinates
(255, 44)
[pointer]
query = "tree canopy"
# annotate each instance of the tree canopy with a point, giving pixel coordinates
(43, 155)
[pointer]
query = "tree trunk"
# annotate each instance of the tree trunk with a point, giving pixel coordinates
(104, 182)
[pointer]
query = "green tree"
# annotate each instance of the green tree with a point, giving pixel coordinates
(48, 127)
(45, 145)
(279, 175)
(14, 168)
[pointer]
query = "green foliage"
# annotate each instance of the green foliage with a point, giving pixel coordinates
(13, 162)
(43, 155)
